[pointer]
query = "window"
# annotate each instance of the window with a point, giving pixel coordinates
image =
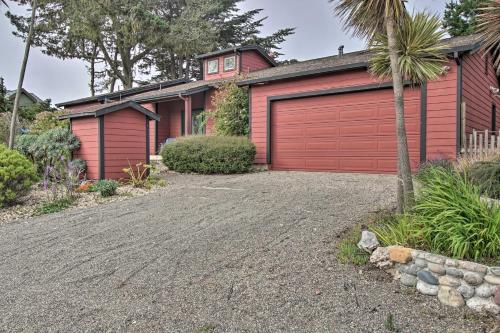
(213, 66)
(230, 63)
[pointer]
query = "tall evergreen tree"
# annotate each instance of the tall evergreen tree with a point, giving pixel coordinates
(460, 17)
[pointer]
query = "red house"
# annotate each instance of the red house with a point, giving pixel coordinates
(326, 114)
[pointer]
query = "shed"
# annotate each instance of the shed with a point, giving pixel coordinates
(112, 135)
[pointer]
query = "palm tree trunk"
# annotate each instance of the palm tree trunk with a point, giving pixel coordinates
(404, 170)
(15, 110)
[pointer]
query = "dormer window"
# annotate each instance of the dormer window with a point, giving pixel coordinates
(213, 66)
(229, 63)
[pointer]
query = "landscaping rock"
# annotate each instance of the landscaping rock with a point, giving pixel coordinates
(434, 258)
(408, 280)
(493, 279)
(428, 278)
(427, 289)
(368, 242)
(472, 266)
(451, 262)
(411, 269)
(495, 271)
(466, 291)
(380, 257)
(421, 262)
(485, 290)
(400, 254)
(455, 272)
(449, 281)
(450, 296)
(496, 297)
(482, 304)
(436, 268)
(474, 279)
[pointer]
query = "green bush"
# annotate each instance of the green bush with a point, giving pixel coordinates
(47, 148)
(230, 110)
(106, 187)
(486, 175)
(17, 174)
(209, 155)
(429, 165)
(45, 121)
(449, 218)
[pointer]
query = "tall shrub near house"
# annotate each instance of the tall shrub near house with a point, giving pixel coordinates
(230, 110)
(17, 174)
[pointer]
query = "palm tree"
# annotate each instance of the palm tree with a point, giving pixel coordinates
(367, 19)
(15, 110)
(489, 27)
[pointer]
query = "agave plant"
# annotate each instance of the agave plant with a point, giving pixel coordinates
(421, 56)
(489, 27)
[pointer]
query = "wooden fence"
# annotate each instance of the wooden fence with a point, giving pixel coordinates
(481, 143)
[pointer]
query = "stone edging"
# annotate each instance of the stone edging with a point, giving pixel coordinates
(455, 282)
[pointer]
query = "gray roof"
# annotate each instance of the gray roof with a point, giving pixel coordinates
(124, 93)
(30, 95)
(332, 64)
(234, 49)
(102, 109)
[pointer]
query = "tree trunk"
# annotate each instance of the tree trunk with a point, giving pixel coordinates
(92, 70)
(404, 170)
(15, 110)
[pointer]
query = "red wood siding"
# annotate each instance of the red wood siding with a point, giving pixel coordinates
(478, 76)
(152, 125)
(442, 116)
(208, 106)
(352, 132)
(221, 74)
(86, 130)
(175, 118)
(124, 141)
(252, 61)
(441, 107)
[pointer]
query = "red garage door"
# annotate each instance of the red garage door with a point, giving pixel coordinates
(353, 132)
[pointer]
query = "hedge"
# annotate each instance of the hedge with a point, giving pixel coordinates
(209, 155)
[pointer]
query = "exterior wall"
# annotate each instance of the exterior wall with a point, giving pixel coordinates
(175, 118)
(478, 76)
(221, 74)
(442, 116)
(441, 107)
(124, 141)
(152, 126)
(252, 61)
(208, 106)
(86, 129)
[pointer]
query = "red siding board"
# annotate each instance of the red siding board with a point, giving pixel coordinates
(86, 130)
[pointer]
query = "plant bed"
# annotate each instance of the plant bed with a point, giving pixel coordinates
(35, 203)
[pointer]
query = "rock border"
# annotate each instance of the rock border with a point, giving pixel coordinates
(454, 282)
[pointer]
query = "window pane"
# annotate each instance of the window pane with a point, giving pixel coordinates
(229, 63)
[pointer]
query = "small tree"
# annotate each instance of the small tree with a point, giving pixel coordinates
(5, 104)
(230, 111)
(489, 27)
(460, 17)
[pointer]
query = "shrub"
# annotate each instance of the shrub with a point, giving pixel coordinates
(48, 147)
(429, 165)
(49, 207)
(486, 175)
(17, 174)
(45, 121)
(79, 164)
(138, 177)
(230, 111)
(209, 155)
(449, 218)
(106, 187)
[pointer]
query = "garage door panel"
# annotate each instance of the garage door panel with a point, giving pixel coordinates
(348, 132)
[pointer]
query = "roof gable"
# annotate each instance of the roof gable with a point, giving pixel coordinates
(103, 109)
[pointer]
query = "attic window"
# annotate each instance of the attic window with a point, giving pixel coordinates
(229, 63)
(213, 66)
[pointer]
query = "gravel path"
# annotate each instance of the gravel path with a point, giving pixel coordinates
(249, 253)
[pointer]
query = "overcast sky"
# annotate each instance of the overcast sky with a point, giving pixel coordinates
(318, 34)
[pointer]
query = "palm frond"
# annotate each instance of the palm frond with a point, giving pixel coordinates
(489, 27)
(420, 52)
(365, 18)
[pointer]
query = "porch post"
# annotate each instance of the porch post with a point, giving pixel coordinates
(188, 116)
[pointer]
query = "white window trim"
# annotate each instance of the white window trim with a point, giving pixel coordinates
(208, 66)
(230, 69)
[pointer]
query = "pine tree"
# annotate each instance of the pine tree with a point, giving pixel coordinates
(460, 17)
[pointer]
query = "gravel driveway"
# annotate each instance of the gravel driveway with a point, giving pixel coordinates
(246, 253)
